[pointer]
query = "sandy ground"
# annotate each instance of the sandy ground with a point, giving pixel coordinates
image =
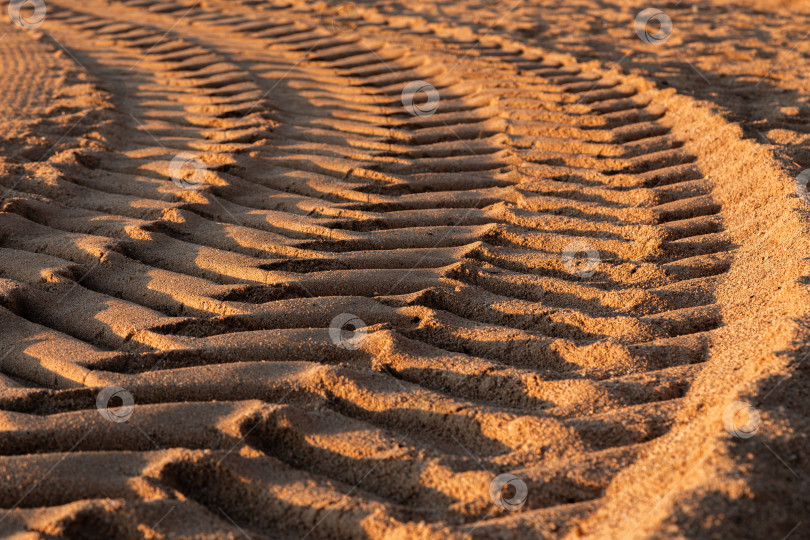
(403, 270)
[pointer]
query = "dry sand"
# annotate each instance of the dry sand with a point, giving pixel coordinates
(212, 293)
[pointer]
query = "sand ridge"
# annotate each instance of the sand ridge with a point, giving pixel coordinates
(210, 293)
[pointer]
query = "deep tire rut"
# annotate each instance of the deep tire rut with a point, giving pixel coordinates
(444, 235)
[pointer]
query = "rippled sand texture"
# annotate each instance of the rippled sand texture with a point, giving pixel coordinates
(479, 353)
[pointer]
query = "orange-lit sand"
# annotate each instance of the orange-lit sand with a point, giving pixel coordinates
(193, 193)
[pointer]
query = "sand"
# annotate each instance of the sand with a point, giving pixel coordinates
(254, 284)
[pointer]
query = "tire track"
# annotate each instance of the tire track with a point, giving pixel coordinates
(322, 196)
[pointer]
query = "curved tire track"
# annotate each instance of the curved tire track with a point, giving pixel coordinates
(322, 196)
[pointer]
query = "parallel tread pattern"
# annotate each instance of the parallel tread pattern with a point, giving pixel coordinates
(323, 196)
